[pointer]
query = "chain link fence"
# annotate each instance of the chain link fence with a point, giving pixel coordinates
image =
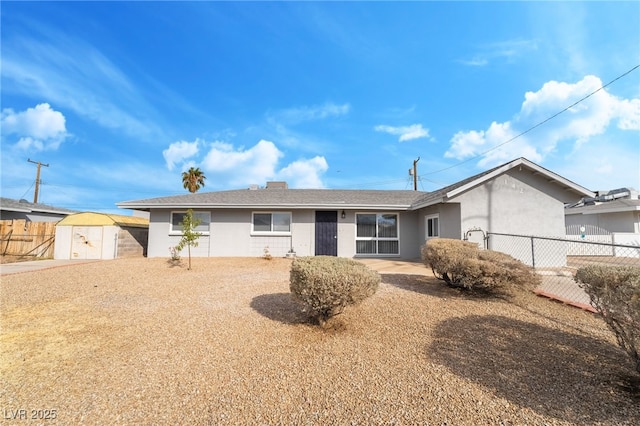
(557, 260)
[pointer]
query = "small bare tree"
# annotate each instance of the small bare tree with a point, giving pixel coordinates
(189, 234)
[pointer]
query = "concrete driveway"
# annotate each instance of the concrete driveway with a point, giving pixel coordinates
(385, 266)
(397, 266)
(36, 265)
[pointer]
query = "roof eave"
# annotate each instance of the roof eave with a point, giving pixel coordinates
(433, 202)
(336, 206)
(620, 209)
(14, 209)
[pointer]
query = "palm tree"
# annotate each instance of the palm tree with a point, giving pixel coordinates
(193, 179)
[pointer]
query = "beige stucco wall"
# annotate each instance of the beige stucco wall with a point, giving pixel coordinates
(520, 203)
(230, 235)
(516, 202)
(161, 238)
(449, 221)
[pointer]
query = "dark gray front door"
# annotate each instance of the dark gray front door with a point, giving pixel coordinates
(326, 233)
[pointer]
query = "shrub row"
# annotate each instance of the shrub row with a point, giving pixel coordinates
(462, 264)
(615, 293)
(325, 284)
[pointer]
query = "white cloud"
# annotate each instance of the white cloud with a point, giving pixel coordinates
(601, 165)
(243, 166)
(476, 61)
(226, 165)
(76, 75)
(305, 173)
(28, 143)
(310, 113)
(180, 151)
(506, 50)
(629, 112)
(406, 133)
(577, 126)
(39, 128)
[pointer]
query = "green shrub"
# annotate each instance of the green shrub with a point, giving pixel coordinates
(325, 284)
(462, 264)
(615, 293)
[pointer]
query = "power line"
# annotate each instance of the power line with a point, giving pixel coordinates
(537, 125)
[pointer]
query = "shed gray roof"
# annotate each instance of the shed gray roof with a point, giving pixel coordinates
(24, 206)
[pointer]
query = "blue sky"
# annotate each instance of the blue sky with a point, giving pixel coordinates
(119, 98)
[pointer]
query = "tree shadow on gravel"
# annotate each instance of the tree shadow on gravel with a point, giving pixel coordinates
(434, 287)
(419, 284)
(279, 307)
(568, 376)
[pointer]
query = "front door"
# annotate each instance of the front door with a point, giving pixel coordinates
(326, 233)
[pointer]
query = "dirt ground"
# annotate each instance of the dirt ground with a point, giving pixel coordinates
(140, 341)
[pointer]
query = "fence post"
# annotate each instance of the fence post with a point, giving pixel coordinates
(533, 254)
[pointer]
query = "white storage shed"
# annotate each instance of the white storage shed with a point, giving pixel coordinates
(101, 236)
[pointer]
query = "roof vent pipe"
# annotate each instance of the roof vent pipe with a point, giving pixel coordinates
(277, 185)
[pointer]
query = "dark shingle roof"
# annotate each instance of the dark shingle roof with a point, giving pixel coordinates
(284, 198)
(10, 204)
(338, 198)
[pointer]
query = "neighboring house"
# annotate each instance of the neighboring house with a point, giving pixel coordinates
(31, 212)
(608, 217)
(518, 197)
(100, 236)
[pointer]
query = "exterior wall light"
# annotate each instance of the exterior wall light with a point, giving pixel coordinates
(343, 215)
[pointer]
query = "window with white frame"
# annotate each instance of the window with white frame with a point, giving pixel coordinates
(377, 233)
(432, 226)
(271, 222)
(203, 217)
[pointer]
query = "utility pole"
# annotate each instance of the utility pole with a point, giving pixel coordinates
(415, 174)
(35, 195)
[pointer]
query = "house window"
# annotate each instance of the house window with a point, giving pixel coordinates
(271, 223)
(178, 217)
(432, 226)
(377, 233)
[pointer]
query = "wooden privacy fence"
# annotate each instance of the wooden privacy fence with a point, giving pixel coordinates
(21, 238)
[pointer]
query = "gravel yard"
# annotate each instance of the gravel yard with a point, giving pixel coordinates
(137, 341)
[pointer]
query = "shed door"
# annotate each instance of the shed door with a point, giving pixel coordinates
(86, 242)
(326, 233)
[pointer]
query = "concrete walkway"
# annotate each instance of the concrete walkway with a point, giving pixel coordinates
(397, 266)
(36, 265)
(560, 287)
(564, 289)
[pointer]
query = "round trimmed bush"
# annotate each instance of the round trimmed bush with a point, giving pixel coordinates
(325, 285)
(463, 265)
(615, 293)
